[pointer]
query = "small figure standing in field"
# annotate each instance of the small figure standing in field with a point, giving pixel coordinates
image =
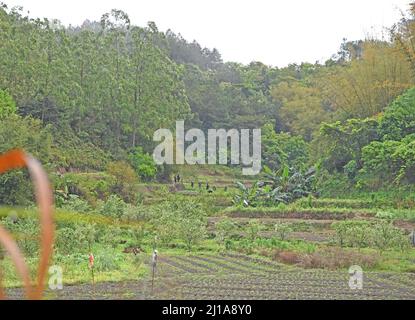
(200, 185)
(178, 178)
(154, 265)
(175, 179)
(192, 184)
(207, 185)
(226, 188)
(154, 259)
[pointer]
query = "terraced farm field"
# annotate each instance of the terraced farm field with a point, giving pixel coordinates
(237, 276)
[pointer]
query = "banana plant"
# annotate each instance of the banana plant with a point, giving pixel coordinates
(248, 196)
(284, 185)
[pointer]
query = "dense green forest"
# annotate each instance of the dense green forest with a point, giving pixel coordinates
(82, 97)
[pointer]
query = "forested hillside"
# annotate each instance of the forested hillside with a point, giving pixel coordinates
(82, 97)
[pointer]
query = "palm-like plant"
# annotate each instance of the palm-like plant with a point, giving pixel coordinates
(284, 185)
(248, 196)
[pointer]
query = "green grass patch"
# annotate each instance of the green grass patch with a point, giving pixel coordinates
(298, 212)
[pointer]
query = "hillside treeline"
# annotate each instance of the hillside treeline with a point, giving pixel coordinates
(80, 97)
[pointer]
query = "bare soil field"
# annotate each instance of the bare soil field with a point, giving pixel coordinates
(237, 276)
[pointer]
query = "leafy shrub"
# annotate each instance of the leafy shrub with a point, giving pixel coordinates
(16, 188)
(110, 235)
(133, 213)
(28, 134)
(343, 142)
(332, 184)
(137, 235)
(283, 230)
(377, 156)
(398, 120)
(77, 238)
(389, 161)
(125, 180)
(7, 105)
(268, 246)
(397, 214)
(360, 234)
(181, 219)
(225, 229)
(89, 186)
(192, 227)
(253, 228)
(282, 148)
(352, 233)
(26, 231)
(67, 241)
(75, 204)
(143, 164)
(106, 261)
(113, 207)
(351, 169)
(384, 236)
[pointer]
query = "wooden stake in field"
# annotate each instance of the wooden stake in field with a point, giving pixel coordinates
(154, 265)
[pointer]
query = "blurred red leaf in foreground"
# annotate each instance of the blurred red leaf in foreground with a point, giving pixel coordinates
(17, 159)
